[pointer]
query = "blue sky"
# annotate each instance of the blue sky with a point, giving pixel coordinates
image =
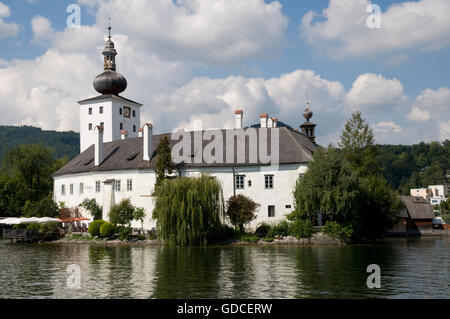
(405, 64)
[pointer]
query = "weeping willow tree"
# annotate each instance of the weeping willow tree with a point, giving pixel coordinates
(188, 210)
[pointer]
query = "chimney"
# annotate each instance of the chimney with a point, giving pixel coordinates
(269, 122)
(264, 117)
(141, 131)
(148, 141)
(275, 122)
(99, 145)
(123, 134)
(239, 117)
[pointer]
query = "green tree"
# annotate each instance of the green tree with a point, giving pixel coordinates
(188, 211)
(94, 209)
(329, 186)
(46, 207)
(139, 214)
(357, 144)
(164, 164)
(123, 213)
(34, 164)
(241, 210)
(13, 196)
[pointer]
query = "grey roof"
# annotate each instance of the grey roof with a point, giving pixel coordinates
(416, 208)
(294, 147)
(108, 96)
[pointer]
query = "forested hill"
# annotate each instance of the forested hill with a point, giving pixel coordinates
(63, 143)
(412, 166)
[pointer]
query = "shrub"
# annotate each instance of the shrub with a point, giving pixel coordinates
(338, 231)
(250, 238)
(94, 227)
(262, 230)
(301, 228)
(34, 227)
(94, 209)
(107, 230)
(124, 232)
(49, 229)
(280, 229)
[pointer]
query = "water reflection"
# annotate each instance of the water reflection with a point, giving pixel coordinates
(409, 268)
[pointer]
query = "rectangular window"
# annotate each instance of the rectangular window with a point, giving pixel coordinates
(81, 188)
(134, 113)
(249, 183)
(120, 111)
(121, 126)
(71, 189)
(288, 206)
(101, 110)
(134, 128)
(97, 186)
(271, 211)
(90, 127)
(129, 185)
(268, 181)
(240, 181)
(117, 185)
(63, 190)
(90, 111)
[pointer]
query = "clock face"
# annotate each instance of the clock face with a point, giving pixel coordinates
(126, 111)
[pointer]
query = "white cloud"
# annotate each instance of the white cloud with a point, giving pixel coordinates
(7, 29)
(444, 130)
(386, 127)
(342, 31)
(375, 93)
(42, 29)
(201, 31)
(431, 104)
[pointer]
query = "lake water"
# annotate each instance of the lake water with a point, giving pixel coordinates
(410, 268)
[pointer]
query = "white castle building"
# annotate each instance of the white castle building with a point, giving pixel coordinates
(118, 156)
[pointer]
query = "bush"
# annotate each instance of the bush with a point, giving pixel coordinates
(338, 231)
(262, 230)
(94, 227)
(49, 229)
(34, 227)
(280, 229)
(250, 238)
(124, 232)
(301, 228)
(107, 230)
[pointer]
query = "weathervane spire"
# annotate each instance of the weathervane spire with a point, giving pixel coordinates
(109, 28)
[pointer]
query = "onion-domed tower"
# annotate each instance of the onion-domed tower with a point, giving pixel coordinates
(110, 82)
(109, 110)
(308, 127)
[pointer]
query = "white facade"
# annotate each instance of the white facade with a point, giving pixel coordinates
(142, 183)
(113, 113)
(420, 192)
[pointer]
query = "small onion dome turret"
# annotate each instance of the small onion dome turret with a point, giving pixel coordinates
(307, 113)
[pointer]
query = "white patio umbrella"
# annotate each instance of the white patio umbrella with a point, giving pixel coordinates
(10, 221)
(29, 220)
(48, 220)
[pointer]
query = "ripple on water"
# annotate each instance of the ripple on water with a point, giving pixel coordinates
(415, 268)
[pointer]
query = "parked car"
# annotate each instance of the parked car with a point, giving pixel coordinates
(438, 223)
